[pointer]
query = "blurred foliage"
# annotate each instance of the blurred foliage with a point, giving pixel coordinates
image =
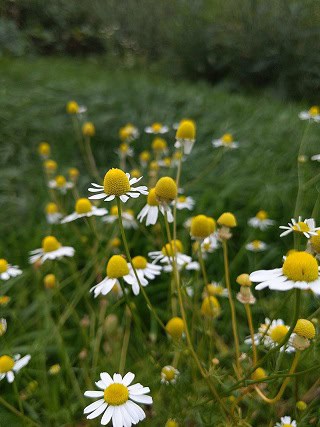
(260, 43)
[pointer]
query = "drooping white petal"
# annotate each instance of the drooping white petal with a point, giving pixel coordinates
(107, 415)
(128, 378)
(102, 407)
(147, 400)
(93, 393)
(21, 363)
(93, 406)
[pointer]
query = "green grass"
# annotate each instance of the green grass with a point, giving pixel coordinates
(261, 174)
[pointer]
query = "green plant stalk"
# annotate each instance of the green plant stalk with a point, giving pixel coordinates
(90, 158)
(125, 344)
(98, 337)
(251, 329)
(17, 413)
(300, 165)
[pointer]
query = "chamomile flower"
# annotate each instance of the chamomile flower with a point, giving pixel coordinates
(60, 184)
(261, 221)
(11, 365)
(313, 114)
(84, 208)
(159, 146)
(151, 210)
(210, 243)
(3, 326)
(169, 375)
(44, 150)
(127, 216)
(170, 250)
(225, 141)
(316, 157)
(116, 183)
(286, 422)
(185, 135)
(145, 272)
(307, 227)
(51, 249)
(125, 150)
(256, 246)
(156, 128)
(144, 158)
(8, 270)
(300, 270)
(128, 133)
(118, 400)
(165, 162)
(215, 289)
(184, 202)
(117, 268)
(271, 334)
(53, 215)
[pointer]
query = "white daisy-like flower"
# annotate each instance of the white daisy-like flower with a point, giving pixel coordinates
(3, 326)
(127, 216)
(300, 270)
(60, 184)
(117, 268)
(125, 150)
(84, 208)
(8, 270)
(307, 227)
(316, 157)
(116, 183)
(261, 221)
(286, 422)
(53, 215)
(312, 114)
(189, 266)
(51, 249)
(225, 141)
(256, 246)
(215, 289)
(151, 210)
(271, 334)
(165, 256)
(128, 133)
(186, 135)
(210, 243)
(169, 375)
(184, 202)
(118, 400)
(145, 272)
(11, 365)
(156, 128)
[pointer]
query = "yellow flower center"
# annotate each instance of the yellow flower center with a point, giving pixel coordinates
(44, 149)
(315, 242)
(159, 144)
(156, 127)
(50, 244)
(170, 248)
(182, 199)
(154, 166)
(177, 155)
(258, 374)
(3, 265)
(50, 165)
(168, 372)
(167, 161)
(227, 138)
(200, 227)
(116, 182)
(4, 299)
(116, 394)
(212, 224)
(129, 212)
(83, 206)
(114, 211)
(262, 215)
(152, 199)
(227, 219)
(256, 244)
(117, 267)
(135, 173)
(6, 364)
(186, 130)
(124, 147)
(49, 281)
(145, 156)
(214, 289)
(278, 333)
(314, 111)
(60, 181)
(300, 266)
(175, 327)
(116, 242)
(72, 107)
(166, 189)
(301, 227)
(210, 306)
(73, 173)
(52, 208)
(244, 280)
(171, 423)
(139, 262)
(88, 129)
(305, 328)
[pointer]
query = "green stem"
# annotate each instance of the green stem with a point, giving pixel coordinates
(17, 413)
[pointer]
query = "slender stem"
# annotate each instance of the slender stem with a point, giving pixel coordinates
(126, 248)
(91, 160)
(232, 307)
(251, 329)
(99, 334)
(284, 384)
(15, 388)
(125, 343)
(176, 199)
(17, 413)
(300, 165)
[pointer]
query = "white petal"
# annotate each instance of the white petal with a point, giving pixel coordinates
(135, 410)
(261, 275)
(107, 415)
(93, 393)
(106, 378)
(93, 406)
(117, 378)
(117, 420)
(139, 391)
(21, 363)
(10, 377)
(128, 378)
(97, 196)
(147, 400)
(124, 198)
(98, 411)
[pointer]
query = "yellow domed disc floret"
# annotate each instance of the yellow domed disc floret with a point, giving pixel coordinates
(175, 327)
(50, 244)
(314, 110)
(152, 199)
(52, 208)
(73, 173)
(60, 181)
(116, 394)
(117, 267)
(300, 267)
(3, 265)
(168, 373)
(170, 248)
(139, 262)
(83, 206)
(166, 189)
(135, 173)
(49, 281)
(88, 129)
(114, 211)
(186, 130)
(212, 224)
(262, 215)
(243, 280)
(259, 374)
(210, 307)
(227, 138)
(116, 182)
(144, 156)
(315, 242)
(72, 107)
(50, 165)
(115, 242)
(171, 423)
(159, 144)
(278, 333)
(6, 364)
(44, 149)
(200, 227)
(227, 219)
(156, 127)
(154, 166)
(304, 328)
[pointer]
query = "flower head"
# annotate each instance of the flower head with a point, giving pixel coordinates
(226, 141)
(169, 375)
(256, 246)
(166, 190)
(307, 227)
(52, 213)
(261, 220)
(127, 216)
(227, 219)
(313, 114)
(175, 327)
(128, 133)
(50, 281)
(117, 400)
(50, 166)
(185, 135)
(159, 145)
(44, 150)
(156, 128)
(210, 307)
(51, 249)
(145, 272)
(61, 184)
(144, 158)
(84, 208)
(286, 422)
(11, 365)
(73, 174)
(200, 227)
(72, 107)
(88, 129)
(151, 210)
(271, 334)
(7, 270)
